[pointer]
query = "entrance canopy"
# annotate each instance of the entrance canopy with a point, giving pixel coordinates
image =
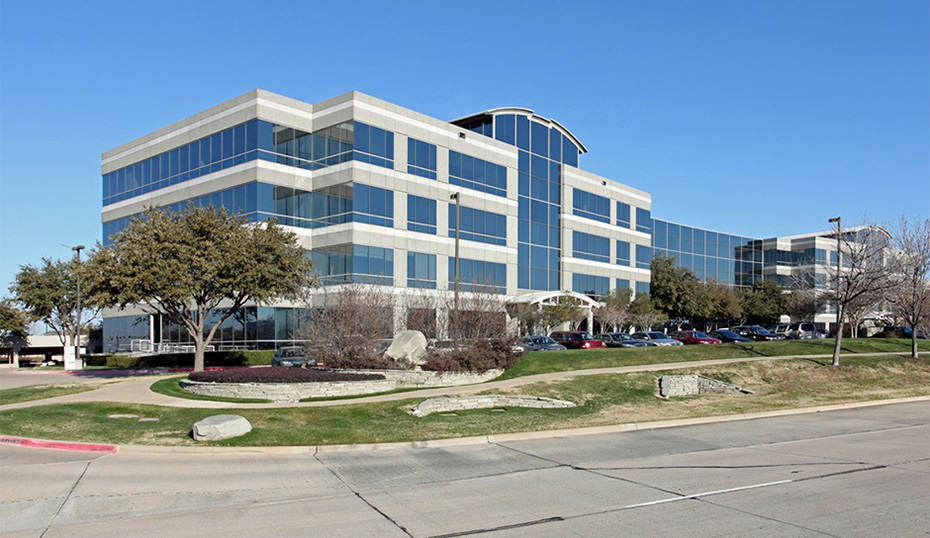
(552, 297)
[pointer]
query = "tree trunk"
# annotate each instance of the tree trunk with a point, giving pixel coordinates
(839, 336)
(913, 342)
(198, 353)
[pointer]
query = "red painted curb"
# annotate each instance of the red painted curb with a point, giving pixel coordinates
(57, 445)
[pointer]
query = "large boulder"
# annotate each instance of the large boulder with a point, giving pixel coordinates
(219, 427)
(408, 346)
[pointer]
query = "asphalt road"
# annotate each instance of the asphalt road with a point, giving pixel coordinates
(858, 472)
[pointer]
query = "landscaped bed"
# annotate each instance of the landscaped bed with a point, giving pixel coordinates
(601, 399)
(279, 375)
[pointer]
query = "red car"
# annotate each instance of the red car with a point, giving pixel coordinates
(576, 340)
(693, 337)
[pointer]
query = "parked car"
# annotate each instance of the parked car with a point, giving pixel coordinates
(656, 338)
(729, 336)
(781, 328)
(693, 337)
(620, 340)
(541, 343)
(576, 339)
(757, 333)
(899, 332)
(293, 356)
(802, 331)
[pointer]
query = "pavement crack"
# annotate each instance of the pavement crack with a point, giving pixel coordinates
(361, 498)
(65, 500)
(500, 528)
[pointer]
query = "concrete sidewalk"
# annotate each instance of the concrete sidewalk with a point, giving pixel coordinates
(137, 391)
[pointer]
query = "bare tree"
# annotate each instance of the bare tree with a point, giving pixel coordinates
(346, 330)
(644, 314)
(528, 316)
(910, 297)
(616, 310)
(481, 314)
(564, 309)
(864, 272)
(421, 311)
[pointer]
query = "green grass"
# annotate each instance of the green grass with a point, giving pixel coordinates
(41, 392)
(542, 362)
(603, 399)
(171, 387)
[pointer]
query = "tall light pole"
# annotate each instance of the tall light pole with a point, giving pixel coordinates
(839, 267)
(77, 346)
(458, 233)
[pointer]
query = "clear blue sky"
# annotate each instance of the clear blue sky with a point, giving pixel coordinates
(762, 117)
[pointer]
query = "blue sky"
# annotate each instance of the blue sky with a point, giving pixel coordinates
(759, 118)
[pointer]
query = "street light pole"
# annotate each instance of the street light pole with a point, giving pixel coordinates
(836, 289)
(458, 233)
(77, 347)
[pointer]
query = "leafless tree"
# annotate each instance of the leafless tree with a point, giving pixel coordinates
(421, 311)
(563, 309)
(616, 310)
(863, 251)
(481, 314)
(528, 316)
(346, 330)
(910, 297)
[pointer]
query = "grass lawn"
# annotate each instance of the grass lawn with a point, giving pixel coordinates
(541, 362)
(603, 399)
(41, 392)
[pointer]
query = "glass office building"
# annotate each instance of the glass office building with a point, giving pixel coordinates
(379, 195)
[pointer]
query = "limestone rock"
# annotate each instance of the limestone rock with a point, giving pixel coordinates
(409, 346)
(219, 427)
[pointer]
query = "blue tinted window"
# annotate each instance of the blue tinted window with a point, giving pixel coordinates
(590, 247)
(421, 270)
(623, 284)
(643, 256)
(595, 287)
(523, 133)
(421, 214)
(642, 287)
(478, 275)
(373, 205)
(623, 215)
(477, 174)
(421, 158)
(643, 220)
(540, 139)
(569, 152)
(505, 127)
(555, 145)
(591, 206)
(477, 225)
(623, 253)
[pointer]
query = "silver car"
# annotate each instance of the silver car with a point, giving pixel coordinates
(656, 338)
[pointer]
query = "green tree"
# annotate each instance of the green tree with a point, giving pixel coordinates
(186, 265)
(725, 304)
(764, 303)
(14, 326)
(48, 293)
(676, 291)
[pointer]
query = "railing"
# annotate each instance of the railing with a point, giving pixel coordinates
(146, 346)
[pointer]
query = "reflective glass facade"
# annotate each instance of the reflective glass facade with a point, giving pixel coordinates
(421, 214)
(730, 259)
(421, 270)
(474, 173)
(481, 226)
(590, 247)
(595, 287)
(479, 275)
(360, 264)
(590, 206)
(421, 158)
(256, 139)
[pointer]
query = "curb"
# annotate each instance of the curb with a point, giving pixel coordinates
(57, 445)
(506, 437)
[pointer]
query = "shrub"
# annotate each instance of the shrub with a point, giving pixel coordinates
(186, 360)
(480, 356)
(278, 375)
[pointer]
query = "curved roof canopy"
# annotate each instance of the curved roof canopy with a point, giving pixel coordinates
(519, 111)
(549, 297)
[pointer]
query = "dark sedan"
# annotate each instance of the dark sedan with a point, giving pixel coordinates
(620, 340)
(729, 336)
(541, 343)
(757, 333)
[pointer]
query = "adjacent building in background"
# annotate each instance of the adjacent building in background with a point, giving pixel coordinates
(368, 188)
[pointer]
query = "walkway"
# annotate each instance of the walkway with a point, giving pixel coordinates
(136, 390)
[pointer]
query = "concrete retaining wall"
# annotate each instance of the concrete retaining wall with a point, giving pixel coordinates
(462, 403)
(294, 392)
(671, 386)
